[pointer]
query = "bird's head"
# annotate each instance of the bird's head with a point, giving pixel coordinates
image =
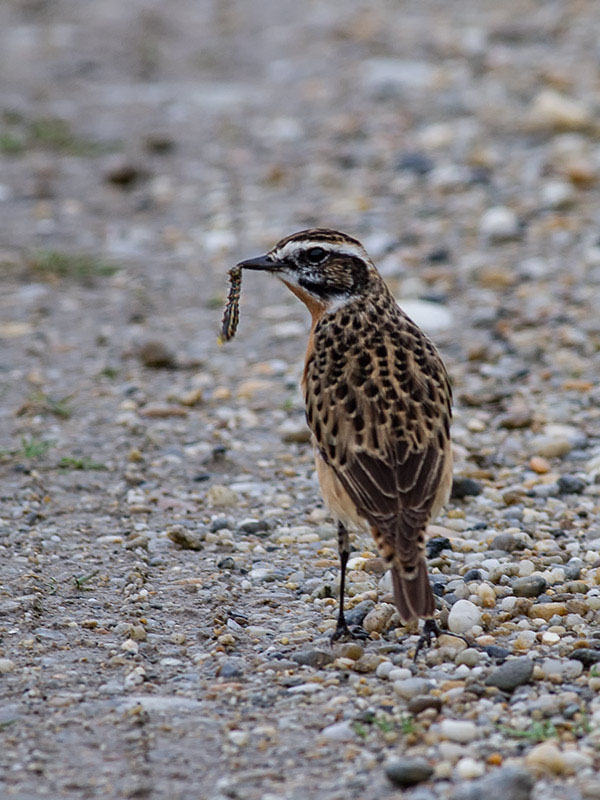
(324, 268)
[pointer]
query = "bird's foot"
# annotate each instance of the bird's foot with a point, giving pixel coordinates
(430, 628)
(345, 632)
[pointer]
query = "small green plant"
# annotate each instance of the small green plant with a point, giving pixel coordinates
(109, 372)
(74, 266)
(216, 301)
(384, 724)
(538, 731)
(84, 463)
(55, 133)
(359, 729)
(10, 144)
(595, 672)
(80, 581)
(34, 448)
(41, 403)
(407, 724)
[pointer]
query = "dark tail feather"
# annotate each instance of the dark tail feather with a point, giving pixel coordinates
(413, 596)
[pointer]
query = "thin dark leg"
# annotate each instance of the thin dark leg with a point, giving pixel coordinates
(342, 630)
(430, 628)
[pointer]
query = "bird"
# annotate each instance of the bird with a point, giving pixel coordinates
(378, 402)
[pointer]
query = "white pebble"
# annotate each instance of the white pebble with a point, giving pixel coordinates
(458, 730)
(6, 666)
(499, 223)
(339, 732)
(463, 615)
(468, 768)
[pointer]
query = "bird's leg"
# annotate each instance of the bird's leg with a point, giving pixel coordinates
(342, 629)
(430, 628)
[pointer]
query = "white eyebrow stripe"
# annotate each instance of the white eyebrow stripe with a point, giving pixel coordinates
(345, 249)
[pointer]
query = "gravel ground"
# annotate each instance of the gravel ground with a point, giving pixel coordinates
(168, 572)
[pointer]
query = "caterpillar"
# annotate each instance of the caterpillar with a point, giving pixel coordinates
(231, 314)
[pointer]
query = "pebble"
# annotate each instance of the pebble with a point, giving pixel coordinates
(356, 615)
(507, 783)
(505, 541)
(339, 732)
(586, 655)
(465, 487)
(156, 355)
(470, 657)
(295, 431)
(313, 658)
(546, 758)
(405, 772)
(553, 111)
(530, 586)
(423, 701)
(551, 446)
(571, 484)
(499, 224)
(547, 610)
(468, 768)
(463, 616)
(461, 731)
(6, 666)
(411, 687)
(511, 674)
(378, 618)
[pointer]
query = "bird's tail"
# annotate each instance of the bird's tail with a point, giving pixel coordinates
(412, 592)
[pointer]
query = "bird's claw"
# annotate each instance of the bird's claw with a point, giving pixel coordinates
(430, 628)
(344, 632)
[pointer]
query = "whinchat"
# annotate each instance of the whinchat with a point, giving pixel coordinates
(378, 403)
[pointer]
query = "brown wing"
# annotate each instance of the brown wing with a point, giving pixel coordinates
(378, 404)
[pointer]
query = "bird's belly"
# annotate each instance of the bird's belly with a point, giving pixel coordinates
(336, 497)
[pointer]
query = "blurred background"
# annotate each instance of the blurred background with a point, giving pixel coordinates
(145, 148)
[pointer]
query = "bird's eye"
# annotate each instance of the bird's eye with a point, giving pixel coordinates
(316, 254)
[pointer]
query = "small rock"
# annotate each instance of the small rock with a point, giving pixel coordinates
(123, 173)
(378, 618)
(508, 783)
(339, 732)
(184, 538)
(551, 446)
(458, 730)
(468, 768)
(496, 652)
(506, 542)
(545, 758)
(251, 525)
(587, 656)
(220, 496)
(471, 657)
(352, 650)
(465, 487)
(436, 545)
(571, 484)
(294, 430)
(356, 615)
(313, 658)
(472, 575)
(411, 687)
(418, 163)
(539, 465)
(423, 701)
(408, 771)
(511, 674)
(499, 224)
(227, 562)
(6, 666)
(530, 586)
(546, 610)
(552, 111)
(463, 616)
(231, 669)
(156, 355)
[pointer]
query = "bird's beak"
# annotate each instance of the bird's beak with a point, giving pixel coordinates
(261, 263)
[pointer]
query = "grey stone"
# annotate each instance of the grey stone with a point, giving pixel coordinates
(357, 614)
(530, 586)
(504, 541)
(313, 658)
(511, 674)
(586, 655)
(422, 701)
(465, 487)
(571, 484)
(408, 771)
(509, 783)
